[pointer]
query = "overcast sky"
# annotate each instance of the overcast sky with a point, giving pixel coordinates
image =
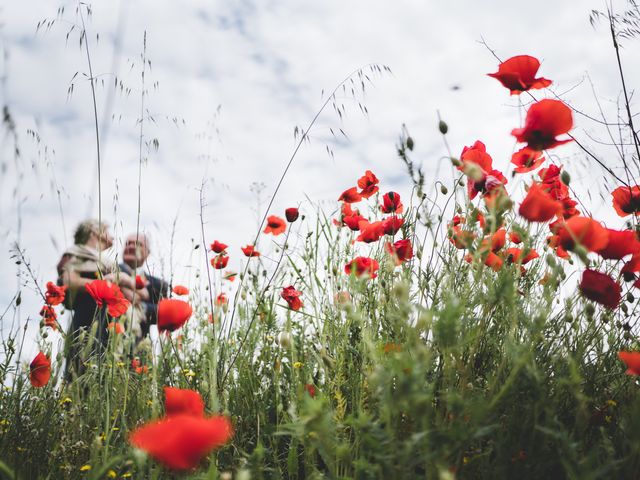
(227, 84)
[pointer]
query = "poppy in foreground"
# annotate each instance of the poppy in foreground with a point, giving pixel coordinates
(545, 120)
(54, 294)
(362, 266)
(292, 297)
(583, 230)
(218, 247)
(626, 200)
(291, 214)
(275, 225)
(181, 441)
(105, 292)
(220, 261)
(40, 370)
(180, 290)
(632, 361)
(250, 251)
(172, 314)
(518, 74)
(179, 401)
(538, 205)
(600, 288)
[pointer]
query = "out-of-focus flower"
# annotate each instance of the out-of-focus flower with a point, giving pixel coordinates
(250, 251)
(275, 225)
(350, 195)
(180, 290)
(40, 370)
(545, 120)
(292, 297)
(218, 247)
(179, 401)
(518, 74)
(220, 261)
(49, 316)
(600, 288)
(632, 361)
(538, 205)
(362, 267)
(626, 200)
(172, 314)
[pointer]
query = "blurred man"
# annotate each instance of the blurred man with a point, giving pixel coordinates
(142, 289)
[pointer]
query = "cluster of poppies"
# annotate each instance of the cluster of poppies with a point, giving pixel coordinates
(373, 231)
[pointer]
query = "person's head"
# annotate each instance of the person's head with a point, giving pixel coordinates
(93, 234)
(136, 250)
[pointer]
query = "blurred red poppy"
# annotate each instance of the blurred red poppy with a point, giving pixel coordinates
(54, 294)
(518, 74)
(586, 231)
(362, 266)
(116, 327)
(250, 251)
(476, 154)
(218, 247)
(222, 299)
(545, 120)
(391, 203)
(292, 297)
(600, 288)
(493, 261)
(105, 292)
(353, 221)
(626, 200)
(311, 390)
(538, 205)
(179, 401)
(138, 367)
(275, 225)
(181, 441)
(527, 159)
(370, 232)
(368, 184)
(291, 214)
(515, 237)
(180, 290)
(172, 314)
(632, 361)
(350, 195)
(40, 370)
(515, 255)
(391, 225)
(141, 282)
(220, 261)
(49, 316)
(621, 243)
(401, 251)
(460, 238)
(230, 276)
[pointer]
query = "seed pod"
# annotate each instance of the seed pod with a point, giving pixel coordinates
(565, 177)
(410, 143)
(443, 127)
(444, 189)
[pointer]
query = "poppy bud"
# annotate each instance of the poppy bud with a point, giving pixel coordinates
(410, 143)
(630, 297)
(565, 177)
(456, 162)
(589, 310)
(443, 127)
(444, 189)
(291, 214)
(284, 339)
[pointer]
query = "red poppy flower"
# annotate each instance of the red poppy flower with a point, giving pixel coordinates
(49, 316)
(527, 159)
(362, 266)
(586, 231)
(554, 242)
(600, 288)
(498, 239)
(353, 221)
(545, 120)
(218, 247)
(105, 292)
(515, 237)
(172, 314)
(538, 206)
(180, 290)
(626, 200)
(486, 183)
(368, 184)
(291, 214)
(633, 265)
(518, 74)
(476, 154)
(621, 243)
(116, 327)
(181, 441)
(222, 299)
(515, 255)
(350, 196)
(40, 370)
(391, 225)
(632, 361)
(391, 203)
(311, 390)
(493, 261)
(54, 294)
(178, 401)
(141, 282)
(250, 251)
(220, 261)
(401, 251)
(292, 297)
(230, 276)
(275, 225)
(370, 232)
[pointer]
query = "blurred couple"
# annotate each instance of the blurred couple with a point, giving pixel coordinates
(86, 261)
